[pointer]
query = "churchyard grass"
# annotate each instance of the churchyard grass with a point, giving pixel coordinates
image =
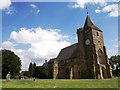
(61, 83)
(0, 83)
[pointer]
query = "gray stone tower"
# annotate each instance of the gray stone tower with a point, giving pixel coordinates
(92, 54)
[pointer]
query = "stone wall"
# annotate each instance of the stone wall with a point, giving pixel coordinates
(91, 60)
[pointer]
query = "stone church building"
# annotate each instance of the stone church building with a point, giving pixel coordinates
(86, 59)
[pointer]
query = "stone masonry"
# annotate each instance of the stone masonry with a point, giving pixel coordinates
(86, 59)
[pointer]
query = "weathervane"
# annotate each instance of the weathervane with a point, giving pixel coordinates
(87, 10)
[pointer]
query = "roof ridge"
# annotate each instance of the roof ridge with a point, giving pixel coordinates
(69, 46)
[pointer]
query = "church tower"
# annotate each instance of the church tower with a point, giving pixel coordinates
(92, 54)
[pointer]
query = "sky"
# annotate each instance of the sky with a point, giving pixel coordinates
(37, 31)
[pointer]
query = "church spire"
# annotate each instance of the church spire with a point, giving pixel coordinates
(89, 23)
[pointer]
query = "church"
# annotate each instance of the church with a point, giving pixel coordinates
(86, 59)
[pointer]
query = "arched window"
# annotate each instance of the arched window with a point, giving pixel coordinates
(97, 34)
(101, 57)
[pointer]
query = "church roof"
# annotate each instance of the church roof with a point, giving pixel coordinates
(90, 23)
(68, 52)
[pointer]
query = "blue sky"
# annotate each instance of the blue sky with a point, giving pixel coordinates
(37, 31)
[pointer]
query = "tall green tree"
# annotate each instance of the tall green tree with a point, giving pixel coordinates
(31, 68)
(10, 63)
(41, 72)
(115, 63)
(34, 66)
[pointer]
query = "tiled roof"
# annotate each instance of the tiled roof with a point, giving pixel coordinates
(68, 52)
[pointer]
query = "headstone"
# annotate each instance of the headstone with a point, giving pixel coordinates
(8, 76)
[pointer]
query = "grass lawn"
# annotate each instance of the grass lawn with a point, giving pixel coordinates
(61, 83)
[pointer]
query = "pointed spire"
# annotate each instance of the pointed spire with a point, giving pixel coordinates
(89, 23)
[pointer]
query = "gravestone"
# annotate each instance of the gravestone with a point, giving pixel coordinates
(8, 76)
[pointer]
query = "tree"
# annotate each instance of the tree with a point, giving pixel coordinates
(115, 63)
(31, 68)
(41, 72)
(10, 63)
(34, 66)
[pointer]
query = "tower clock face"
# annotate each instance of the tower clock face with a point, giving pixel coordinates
(87, 42)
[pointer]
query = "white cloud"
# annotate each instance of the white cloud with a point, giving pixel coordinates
(24, 57)
(112, 52)
(35, 9)
(76, 5)
(38, 11)
(111, 9)
(33, 5)
(97, 11)
(82, 3)
(44, 44)
(4, 4)
(112, 48)
(8, 45)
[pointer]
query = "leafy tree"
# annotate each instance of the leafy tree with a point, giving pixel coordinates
(34, 66)
(41, 72)
(31, 68)
(10, 63)
(115, 63)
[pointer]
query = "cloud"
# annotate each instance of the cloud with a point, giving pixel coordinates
(37, 12)
(4, 4)
(111, 9)
(75, 6)
(35, 9)
(81, 3)
(8, 45)
(44, 44)
(33, 5)
(97, 11)
(112, 48)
